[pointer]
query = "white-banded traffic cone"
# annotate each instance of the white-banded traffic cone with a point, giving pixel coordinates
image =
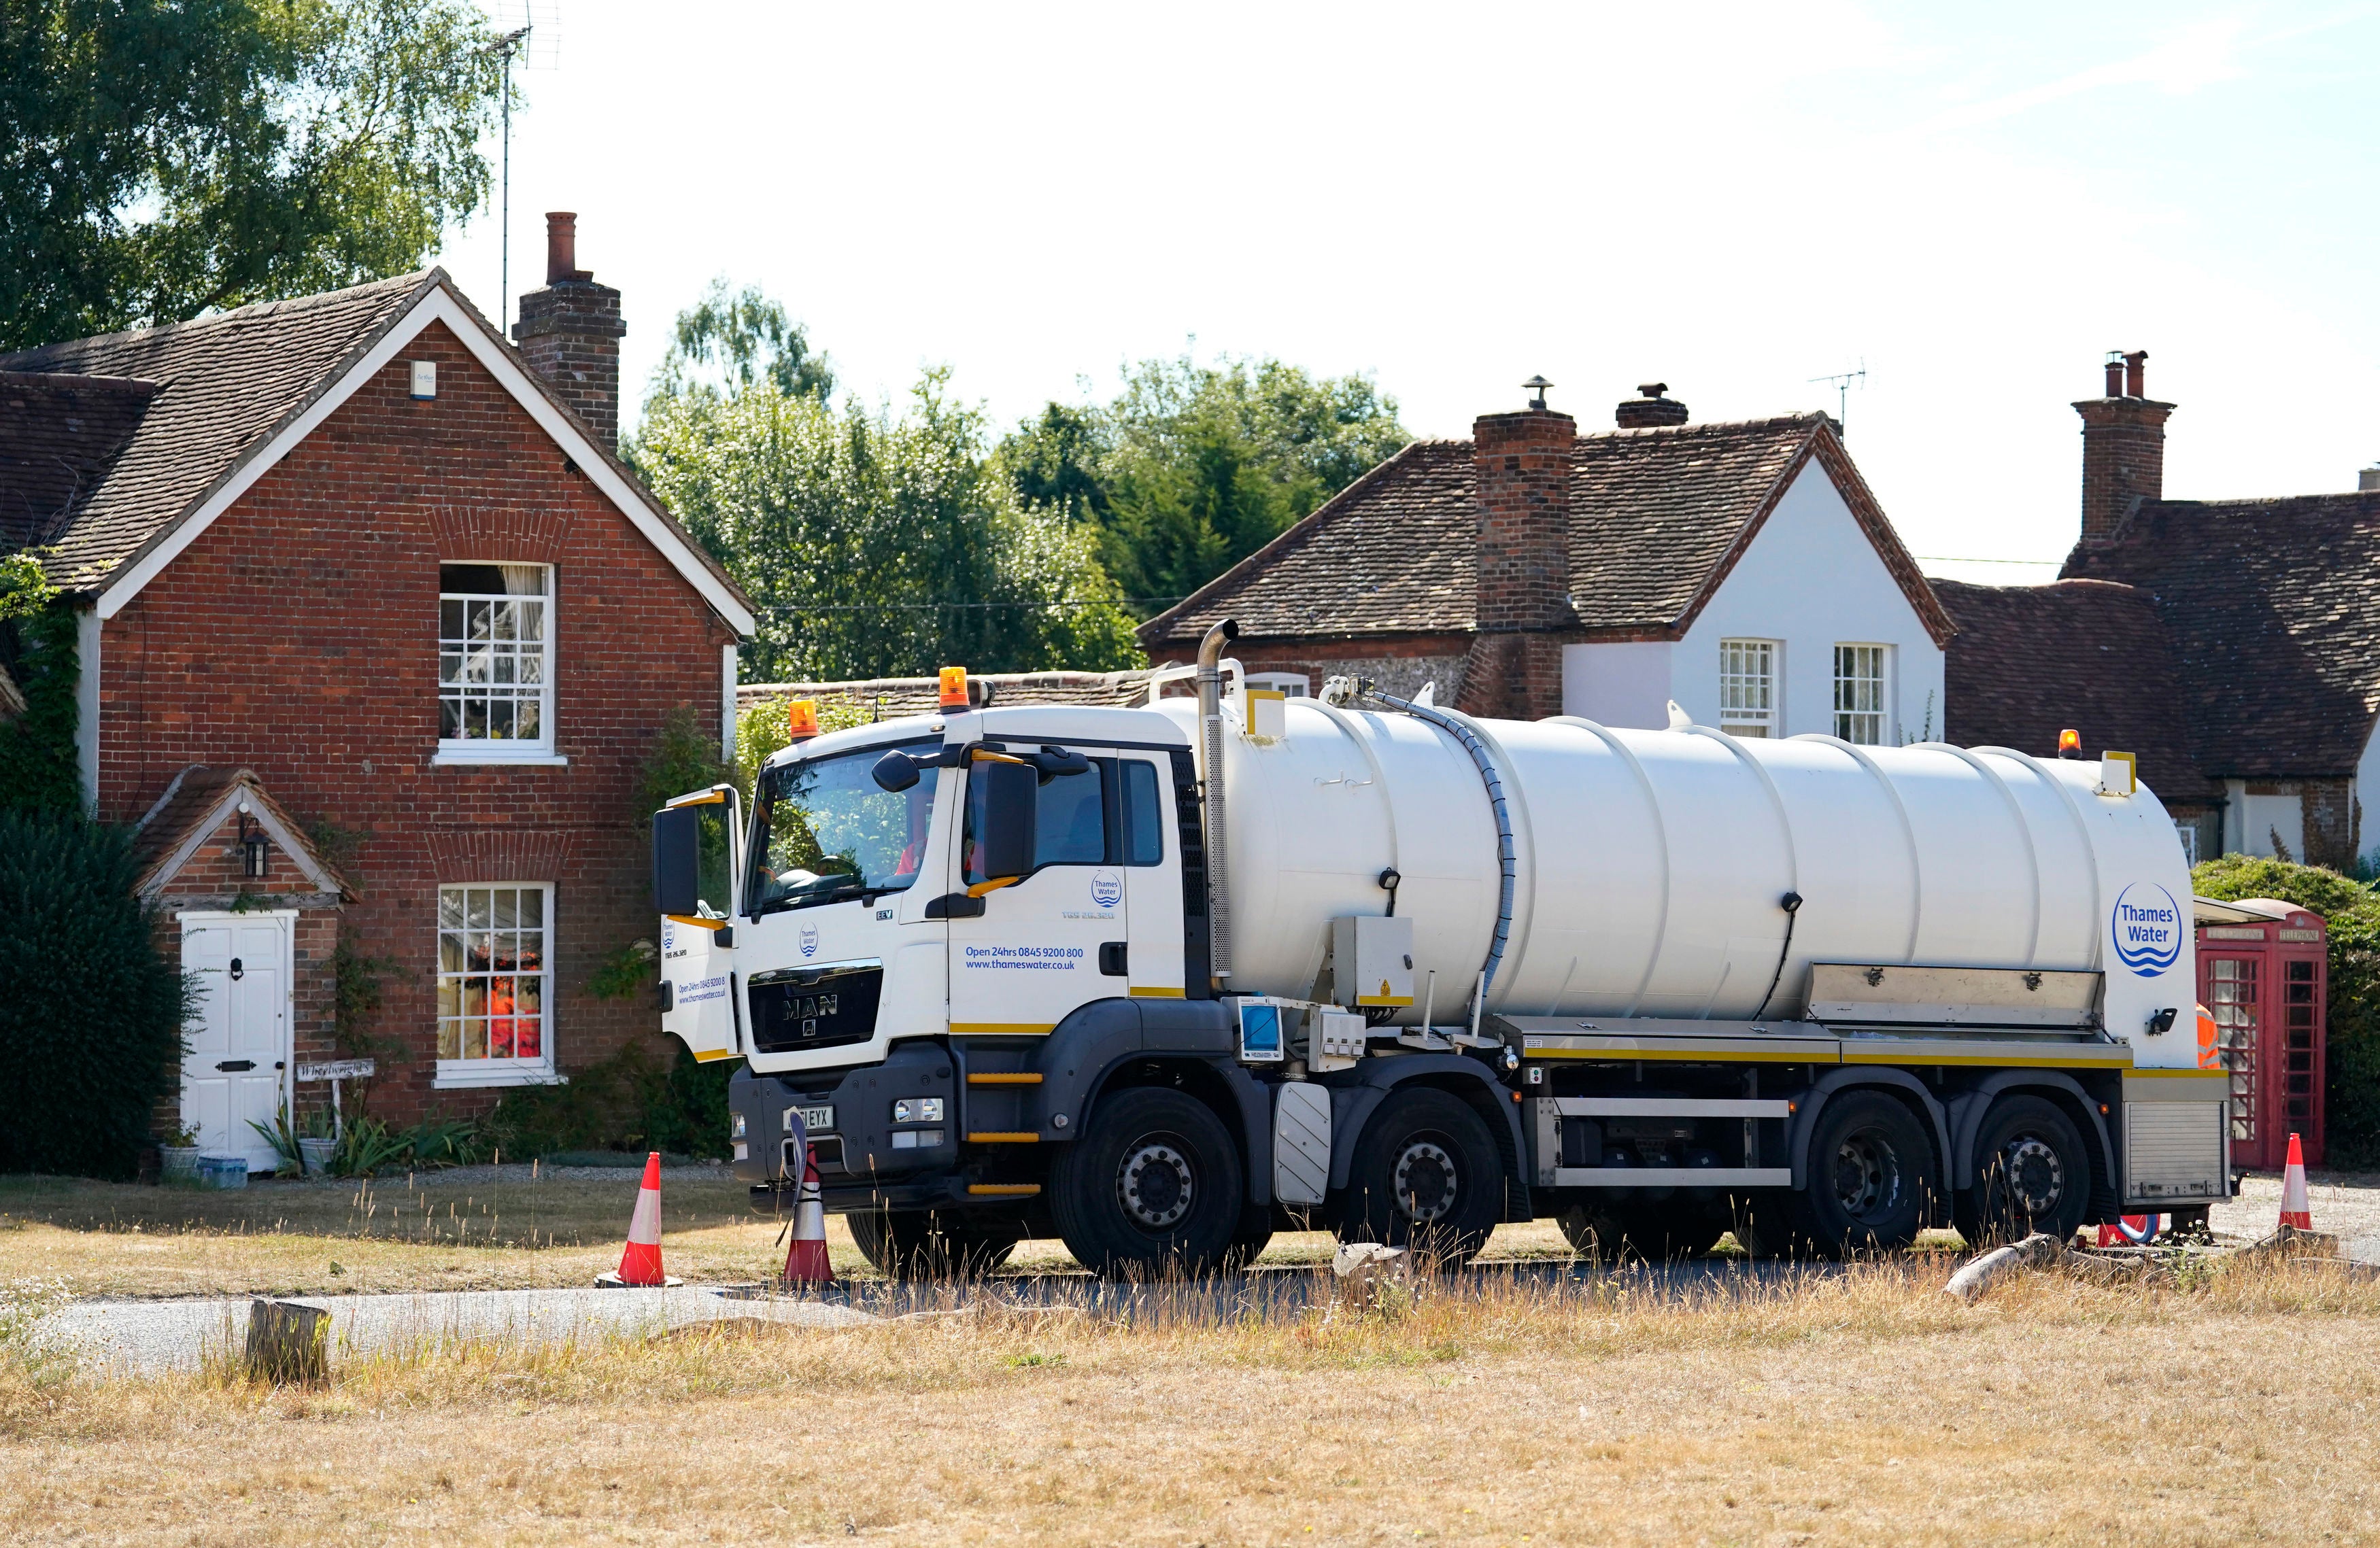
(805, 1260)
(640, 1263)
(2297, 1213)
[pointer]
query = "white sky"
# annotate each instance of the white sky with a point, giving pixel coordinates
(1975, 202)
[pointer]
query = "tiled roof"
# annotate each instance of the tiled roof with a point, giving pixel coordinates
(199, 801)
(916, 696)
(59, 436)
(1657, 518)
(2272, 606)
(2032, 660)
(222, 385)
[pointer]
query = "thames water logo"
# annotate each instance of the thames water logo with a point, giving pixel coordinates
(2147, 927)
(809, 940)
(1107, 889)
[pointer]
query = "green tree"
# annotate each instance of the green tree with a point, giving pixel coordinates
(39, 772)
(874, 546)
(160, 158)
(2351, 910)
(1193, 467)
(731, 339)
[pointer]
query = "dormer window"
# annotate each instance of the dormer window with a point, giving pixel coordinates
(495, 663)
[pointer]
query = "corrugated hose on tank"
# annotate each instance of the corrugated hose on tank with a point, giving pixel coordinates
(1505, 852)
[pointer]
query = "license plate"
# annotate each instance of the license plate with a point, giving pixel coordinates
(815, 1120)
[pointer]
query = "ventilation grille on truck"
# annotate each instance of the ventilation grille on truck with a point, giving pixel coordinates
(797, 1009)
(2174, 1150)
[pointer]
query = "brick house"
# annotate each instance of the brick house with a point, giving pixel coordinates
(377, 636)
(2234, 645)
(1742, 569)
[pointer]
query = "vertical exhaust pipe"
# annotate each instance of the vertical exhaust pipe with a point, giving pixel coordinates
(1210, 769)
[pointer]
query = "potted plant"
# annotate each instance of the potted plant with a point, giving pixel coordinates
(177, 1156)
(316, 1142)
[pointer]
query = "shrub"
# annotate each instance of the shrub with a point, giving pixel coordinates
(90, 1012)
(628, 1102)
(2352, 911)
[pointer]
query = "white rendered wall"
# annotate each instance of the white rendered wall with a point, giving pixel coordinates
(1619, 684)
(2367, 792)
(1811, 580)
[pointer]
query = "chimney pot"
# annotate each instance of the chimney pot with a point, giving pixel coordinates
(2136, 374)
(1651, 410)
(2123, 448)
(2114, 374)
(570, 331)
(2367, 478)
(1535, 387)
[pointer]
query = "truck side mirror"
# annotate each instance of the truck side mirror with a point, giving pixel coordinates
(1010, 794)
(677, 856)
(894, 773)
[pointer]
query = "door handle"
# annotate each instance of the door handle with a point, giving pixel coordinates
(1111, 958)
(955, 905)
(236, 1065)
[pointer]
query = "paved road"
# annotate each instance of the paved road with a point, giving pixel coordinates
(151, 1335)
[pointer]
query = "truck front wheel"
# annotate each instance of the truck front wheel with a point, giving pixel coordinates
(1153, 1186)
(1425, 1175)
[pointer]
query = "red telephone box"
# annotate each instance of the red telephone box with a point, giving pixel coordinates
(2264, 974)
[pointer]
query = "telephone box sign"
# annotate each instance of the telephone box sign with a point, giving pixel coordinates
(2147, 927)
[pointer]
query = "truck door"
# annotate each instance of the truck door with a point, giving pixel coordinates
(1152, 874)
(698, 959)
(1057, 937)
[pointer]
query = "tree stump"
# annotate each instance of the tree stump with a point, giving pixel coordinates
(287, 1341)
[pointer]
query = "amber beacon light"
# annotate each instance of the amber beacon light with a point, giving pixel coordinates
(954, 688)
(801, 719)
(2070, 743)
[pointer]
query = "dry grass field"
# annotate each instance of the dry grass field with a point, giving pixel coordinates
(1851, 1407)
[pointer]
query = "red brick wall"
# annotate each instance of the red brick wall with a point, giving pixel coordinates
(1523, 466)
(2123, 459)
(297, 635)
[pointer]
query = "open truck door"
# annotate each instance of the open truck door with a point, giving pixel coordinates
(696, 874)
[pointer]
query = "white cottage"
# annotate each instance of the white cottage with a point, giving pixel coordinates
(1742, 570)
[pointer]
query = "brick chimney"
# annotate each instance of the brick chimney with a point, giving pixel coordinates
(1522, 466)
(2123, 446)
(1648, 409)
(570, 333)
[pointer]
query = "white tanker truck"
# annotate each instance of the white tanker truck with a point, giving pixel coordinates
(1166, 979)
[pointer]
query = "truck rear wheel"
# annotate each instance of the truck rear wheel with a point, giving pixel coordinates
(1426, 1175)
(1153, 1186)
(931, 1244)
(1871, 1175)
(2031, 1174)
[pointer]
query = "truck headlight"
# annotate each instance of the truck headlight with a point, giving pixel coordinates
(917, 1109)
(739, 1126)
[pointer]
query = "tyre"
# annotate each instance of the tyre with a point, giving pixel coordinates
(1154, 1186)
(2032, 1173)
(1871, 1175)
(1654, 1232)
(1425, 1175)
(913, 1244)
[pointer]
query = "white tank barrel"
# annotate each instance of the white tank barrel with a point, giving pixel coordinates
(1652, 866)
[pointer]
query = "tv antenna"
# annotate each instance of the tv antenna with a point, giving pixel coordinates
(507, 47)
(1842, 382)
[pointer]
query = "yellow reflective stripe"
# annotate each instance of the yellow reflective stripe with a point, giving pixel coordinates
(1004, 1189)
(721, 1053)
(1002, 1078)
(2180, 1074)
(1002, 1029)
(1700, 1056)
(1145, 991)
(1004, 1137)
(1384, 999)
(2001, 1061)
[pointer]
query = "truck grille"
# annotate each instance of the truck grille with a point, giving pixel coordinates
(795, 1008)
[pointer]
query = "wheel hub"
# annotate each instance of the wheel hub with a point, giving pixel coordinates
(1425, 1181)
(1865, 1174)
(1155, 1184)
(2036, 1178)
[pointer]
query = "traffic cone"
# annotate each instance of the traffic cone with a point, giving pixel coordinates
(805, 1260)
(640, 1263)
(2295, 1213)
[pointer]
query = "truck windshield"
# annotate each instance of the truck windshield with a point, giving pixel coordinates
(824, 830)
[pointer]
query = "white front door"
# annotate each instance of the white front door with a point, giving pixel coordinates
(240, 1048)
